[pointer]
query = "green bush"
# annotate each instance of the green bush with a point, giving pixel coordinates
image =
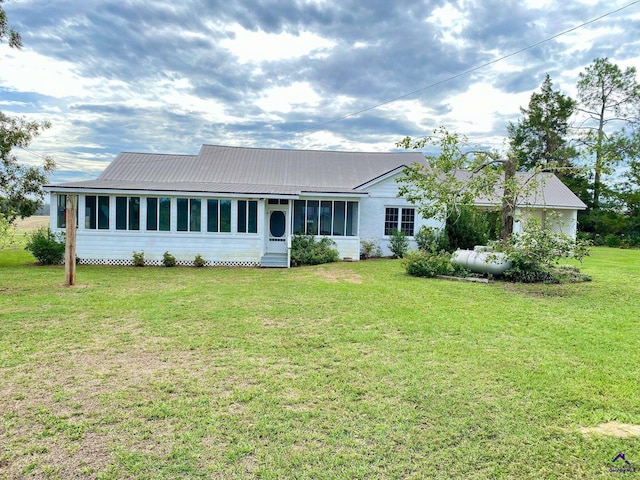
(612, 241)
(168, 260)
(369, 249)
(427, 264)
(431, 239)
(46, 246)
(306, 250)
(199, 261)
(468, 227)
(138, 259)
(398, 243)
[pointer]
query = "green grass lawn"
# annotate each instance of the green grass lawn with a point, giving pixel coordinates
(348, 370)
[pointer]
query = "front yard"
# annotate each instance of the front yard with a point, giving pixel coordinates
(347, 370)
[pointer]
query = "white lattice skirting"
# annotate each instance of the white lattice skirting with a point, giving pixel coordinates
(158, 263)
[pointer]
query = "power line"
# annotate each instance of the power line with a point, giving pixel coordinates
(466, 72)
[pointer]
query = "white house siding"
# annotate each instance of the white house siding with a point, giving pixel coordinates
(117, 246)
(382, 195)
(556, 220)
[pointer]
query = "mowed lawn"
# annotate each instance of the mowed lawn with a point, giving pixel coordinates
(348, 370)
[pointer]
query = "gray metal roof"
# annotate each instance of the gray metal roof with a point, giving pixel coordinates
(547, 190)
(263, 171)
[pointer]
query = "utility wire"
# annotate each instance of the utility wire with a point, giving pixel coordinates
(466, 72)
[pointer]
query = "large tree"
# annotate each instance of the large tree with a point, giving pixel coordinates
(20, 185)
(541, 137)
(459, 175)
(610, 100)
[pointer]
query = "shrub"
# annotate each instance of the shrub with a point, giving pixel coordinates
(431, 239)
(306, 250)
(168, 260)
(199, 261)
(398, 243)
(612, 241)
(138, 259)
(467, 228)
(427, 264)
(535, 253)
(369, 249)
(46, 246)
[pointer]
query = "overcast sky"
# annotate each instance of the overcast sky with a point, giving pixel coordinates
(157, 76)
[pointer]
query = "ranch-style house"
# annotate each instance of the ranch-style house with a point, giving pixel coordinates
(241, 206)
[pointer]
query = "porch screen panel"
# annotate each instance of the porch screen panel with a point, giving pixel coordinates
(182, 205)
(242, 216)
(252, 221)
(103, 213)
(352, 219)
(90, 212)
(298, 216)
(164, 215)
(225, 216)
(134, 213)
(312, 217)
(152, 214)
(62, 211)
(212, 216)
(195, 214)
(121, 213)
(325, 217)
(339, 211)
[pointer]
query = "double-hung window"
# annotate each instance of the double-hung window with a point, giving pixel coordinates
(399, 218)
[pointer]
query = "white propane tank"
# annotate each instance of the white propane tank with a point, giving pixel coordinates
(482, 260)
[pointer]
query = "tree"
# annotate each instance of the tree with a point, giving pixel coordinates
(10, 34)
(609, 97)
(20, 185)
(459, 175)
(540, 137)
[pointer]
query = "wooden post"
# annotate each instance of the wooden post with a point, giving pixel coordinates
(70, 241)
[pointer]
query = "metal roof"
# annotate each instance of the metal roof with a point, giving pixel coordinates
(264, 171)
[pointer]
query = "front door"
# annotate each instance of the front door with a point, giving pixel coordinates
(277, 223)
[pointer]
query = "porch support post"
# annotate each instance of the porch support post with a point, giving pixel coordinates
(70, 241)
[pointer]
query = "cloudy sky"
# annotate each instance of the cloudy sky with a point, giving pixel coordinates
(159, 76)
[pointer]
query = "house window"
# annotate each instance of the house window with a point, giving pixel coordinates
(402, 219)
(127, 213)
(337, 218)
(96, 212)
(159, 214)
(62, 211)
(218, 215)
(189, 214)
(247, 216)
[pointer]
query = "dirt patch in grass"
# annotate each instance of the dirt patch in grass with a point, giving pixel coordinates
(613, 429)
(335, 275)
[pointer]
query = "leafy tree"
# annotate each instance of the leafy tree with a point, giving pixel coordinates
(540, 137)
(457, 176)
(610, 98)
(20, 185)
